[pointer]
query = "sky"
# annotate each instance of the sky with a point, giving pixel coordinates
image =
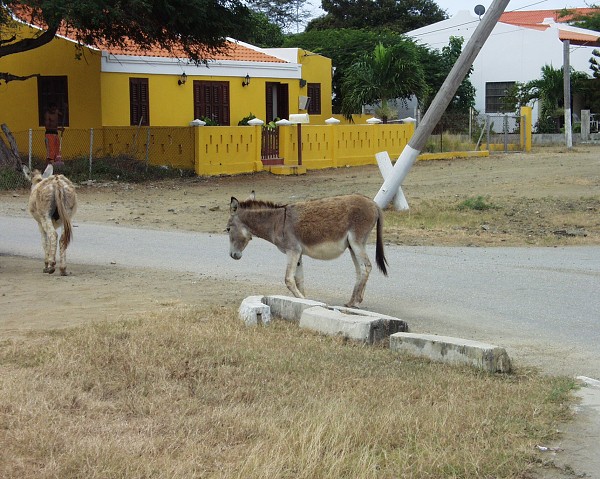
(453, 6)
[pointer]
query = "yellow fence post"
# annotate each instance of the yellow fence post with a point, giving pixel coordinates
(333, 132)
(526, 128)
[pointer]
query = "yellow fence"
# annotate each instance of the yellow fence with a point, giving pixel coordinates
(226, 150)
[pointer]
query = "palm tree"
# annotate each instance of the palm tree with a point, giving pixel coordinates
(388, 73)
(549, 91)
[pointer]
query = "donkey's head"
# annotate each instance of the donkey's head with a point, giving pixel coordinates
(36, 176)
(239, 234)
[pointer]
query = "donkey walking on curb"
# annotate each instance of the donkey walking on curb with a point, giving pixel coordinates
(321, 229)
(52, 203)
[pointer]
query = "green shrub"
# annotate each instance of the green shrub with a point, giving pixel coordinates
(478, 203)
(244, 121)
(11, 179)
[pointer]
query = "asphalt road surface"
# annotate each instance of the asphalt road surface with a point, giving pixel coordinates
(541, 304)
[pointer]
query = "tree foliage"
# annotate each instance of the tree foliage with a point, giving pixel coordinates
(437, 65)
(548, 90)
(387, 73)
(344, 47)
(595, 63)
(397, 15)
(262, 33)
(200, 27)
(590, 21)
(286, 14)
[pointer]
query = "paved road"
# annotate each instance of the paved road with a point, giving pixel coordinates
(541, 304)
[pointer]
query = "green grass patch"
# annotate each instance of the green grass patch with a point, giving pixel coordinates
(437, 214)
(477, 203)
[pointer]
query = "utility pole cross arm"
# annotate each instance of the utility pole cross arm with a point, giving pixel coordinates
(386, 168)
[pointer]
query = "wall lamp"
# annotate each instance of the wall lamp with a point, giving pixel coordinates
(246, 80)
(182, 79)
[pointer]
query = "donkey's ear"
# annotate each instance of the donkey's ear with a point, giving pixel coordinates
(233, 206)
(26, 171)
(252, 196)
(49, 171)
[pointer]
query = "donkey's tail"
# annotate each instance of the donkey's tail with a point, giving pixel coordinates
(63, 213)
(379, 253)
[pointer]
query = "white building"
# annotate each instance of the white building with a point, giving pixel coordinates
(519, 46)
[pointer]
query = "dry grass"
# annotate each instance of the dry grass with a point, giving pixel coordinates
(189, 393)
(508, 221)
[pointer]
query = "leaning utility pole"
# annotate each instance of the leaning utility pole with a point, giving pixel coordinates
(440, 103)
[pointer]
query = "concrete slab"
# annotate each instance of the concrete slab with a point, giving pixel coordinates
(289, 307)
(254, 312)
(351, 323)
(452, 350)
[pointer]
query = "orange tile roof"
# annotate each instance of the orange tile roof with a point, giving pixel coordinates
(532, 17)
(233, 51)
(579, 38)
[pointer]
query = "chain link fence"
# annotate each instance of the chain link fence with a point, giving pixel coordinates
(501, 132)
(98, 154)
(474, 131)
(130, 153)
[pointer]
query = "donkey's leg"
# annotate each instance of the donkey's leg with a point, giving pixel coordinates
(363, 267)
(63, 255)
(293, 258)
(44, 244)
(53, 240)
(49, 237)
(299, 277)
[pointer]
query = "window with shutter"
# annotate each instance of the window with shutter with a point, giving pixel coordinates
(277, 101)
(211, 100)
(53, 89)
(314, 93)
(139, 102)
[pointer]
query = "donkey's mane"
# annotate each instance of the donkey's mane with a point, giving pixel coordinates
(259, 205)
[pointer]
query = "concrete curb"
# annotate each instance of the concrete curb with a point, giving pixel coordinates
(452, 350)
(289, 308)
(254, 312)
(370, 328)
(358, 325)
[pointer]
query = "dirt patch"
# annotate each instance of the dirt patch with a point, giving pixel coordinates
(550, 196)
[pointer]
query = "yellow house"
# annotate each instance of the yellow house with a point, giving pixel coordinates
(116, 87)
(144, 104)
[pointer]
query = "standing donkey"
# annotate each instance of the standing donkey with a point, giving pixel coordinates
(52, 203)
(321, 229)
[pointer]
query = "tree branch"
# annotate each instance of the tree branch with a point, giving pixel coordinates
(8, 40)
(7, 77)
(27, 44)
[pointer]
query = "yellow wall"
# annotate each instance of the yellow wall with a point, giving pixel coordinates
(227, 150)
(237, 150)
(315, 69)
(218, 150)
(173, 105)
(19, 99)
